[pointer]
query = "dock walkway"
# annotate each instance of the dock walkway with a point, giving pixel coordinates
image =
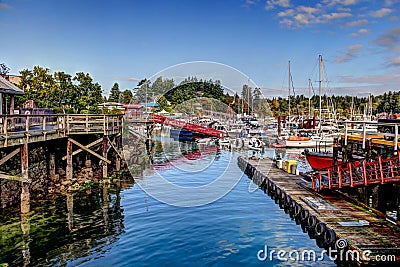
(364, 237)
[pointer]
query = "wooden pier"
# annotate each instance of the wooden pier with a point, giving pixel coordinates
(17, 132)
(355, 234)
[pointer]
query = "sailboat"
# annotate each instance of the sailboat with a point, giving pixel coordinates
(295, 141)
(320, 160)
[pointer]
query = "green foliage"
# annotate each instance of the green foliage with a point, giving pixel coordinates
(4, 70)
(163, 103)
(114, 93)
(61, 91)
(126, 97)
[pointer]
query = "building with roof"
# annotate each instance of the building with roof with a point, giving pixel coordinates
(8, 88)
(133, 111)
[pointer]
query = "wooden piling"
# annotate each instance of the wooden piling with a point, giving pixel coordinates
(70, 209)
(52, 164)
(25, 198)
(105, 149)
(24, 162)
(25, 195)
(69, 168)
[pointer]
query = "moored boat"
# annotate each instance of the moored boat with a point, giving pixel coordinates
(320, 160)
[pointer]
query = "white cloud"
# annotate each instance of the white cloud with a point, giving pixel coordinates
(356, 23)
(395, 62)
(381, 12)
(307, 9)
(294, 15)
(286, 13)
(249, 3)
(302, 19)
(390, 39)
(4, 6)
(385, 78)
(360, 32)
(334, 15)
(287, 22)
(271, 4)
(350, 53)
(391, 2)
(340, 2)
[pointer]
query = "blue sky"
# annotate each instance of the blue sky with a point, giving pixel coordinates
(125, 41)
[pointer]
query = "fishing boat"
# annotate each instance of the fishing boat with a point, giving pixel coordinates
(320, 160)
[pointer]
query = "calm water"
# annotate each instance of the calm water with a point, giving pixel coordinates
(123, 226)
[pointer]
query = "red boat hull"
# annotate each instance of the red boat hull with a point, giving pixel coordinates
(321, 161)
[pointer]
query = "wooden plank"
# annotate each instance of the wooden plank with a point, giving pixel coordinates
(87, 146)
(88, 150)
(112, 145)
(9, 156)
(11, 177)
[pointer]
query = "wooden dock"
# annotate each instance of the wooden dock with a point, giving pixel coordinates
(18, 132)
(21, 129)
(356, 234)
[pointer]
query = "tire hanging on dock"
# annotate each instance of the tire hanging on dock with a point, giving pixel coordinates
(311, 223)
(320, 230)
(329, 238)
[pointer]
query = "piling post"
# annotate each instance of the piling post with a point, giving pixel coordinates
(25, 198)
(26, 228)
(375, 196)
(25, 195)
(105, 149)
(24, 162)
(52, 165)
(119, 152)
(70, 209)
(69, 168)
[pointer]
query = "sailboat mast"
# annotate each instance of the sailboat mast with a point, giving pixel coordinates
(248, 96)
(320, 93)
(309, 97)
(352, 108)
(370, 106)
(289, 90)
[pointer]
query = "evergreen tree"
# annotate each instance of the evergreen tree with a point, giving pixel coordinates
(114, 93)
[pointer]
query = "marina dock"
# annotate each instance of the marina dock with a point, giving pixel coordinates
(353, 233)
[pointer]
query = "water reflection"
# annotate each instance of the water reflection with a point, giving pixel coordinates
(117, 224)
(62, 229)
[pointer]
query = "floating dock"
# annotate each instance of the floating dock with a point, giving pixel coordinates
(354, 234)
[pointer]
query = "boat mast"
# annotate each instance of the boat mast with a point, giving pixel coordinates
(370, 106)
(248, 96)
(288, 120)
(352, 108)
(320, 93)
(309, 98)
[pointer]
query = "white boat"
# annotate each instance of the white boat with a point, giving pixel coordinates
(224, 141)
(298, 142)
(256, 144)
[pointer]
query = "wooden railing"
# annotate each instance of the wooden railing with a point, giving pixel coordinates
(359, 173)
(17, 126)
